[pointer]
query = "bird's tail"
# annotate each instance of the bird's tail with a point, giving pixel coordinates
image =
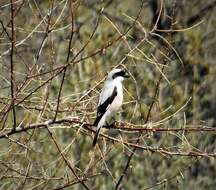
(96, 137)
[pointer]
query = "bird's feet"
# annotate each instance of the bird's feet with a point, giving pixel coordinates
(109, 126)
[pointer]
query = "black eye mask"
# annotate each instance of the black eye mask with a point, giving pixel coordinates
(120, 74)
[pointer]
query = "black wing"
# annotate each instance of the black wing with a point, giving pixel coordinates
(101, 110)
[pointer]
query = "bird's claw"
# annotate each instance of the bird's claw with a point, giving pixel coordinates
(109, 126)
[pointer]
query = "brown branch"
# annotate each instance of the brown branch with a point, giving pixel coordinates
(122, 126)
(158, 129)
(11, 65)
(48, 30)
(25, 178)
(65, 159)
(32, 92)
(15, 14)
(74, 58)
(59, 94)
(31, 177)
(148, 114)
(59, 69)
(106, 45)
(67, 59)
(89, 128)
(140, 134)
(73, 182)
(23, 175)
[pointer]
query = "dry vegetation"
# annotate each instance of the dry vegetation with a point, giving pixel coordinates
(54, 57)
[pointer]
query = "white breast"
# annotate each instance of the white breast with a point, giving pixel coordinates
(117, 102)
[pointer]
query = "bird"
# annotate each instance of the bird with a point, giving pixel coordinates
(111, 99)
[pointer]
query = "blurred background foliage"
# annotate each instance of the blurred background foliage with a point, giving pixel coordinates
(183, 48)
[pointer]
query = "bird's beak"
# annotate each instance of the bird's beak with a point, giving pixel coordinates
(126, 75)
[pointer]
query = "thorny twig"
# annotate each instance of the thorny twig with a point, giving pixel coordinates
(140, 130)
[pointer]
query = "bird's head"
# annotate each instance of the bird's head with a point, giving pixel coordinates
(118, 75)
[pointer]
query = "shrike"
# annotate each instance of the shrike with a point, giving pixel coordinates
(110, 100)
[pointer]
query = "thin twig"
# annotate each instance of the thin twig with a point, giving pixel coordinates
(67, 59)
(88, 127)
(59, 69)
(140, 134)
(11, 64)
(65, 159)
